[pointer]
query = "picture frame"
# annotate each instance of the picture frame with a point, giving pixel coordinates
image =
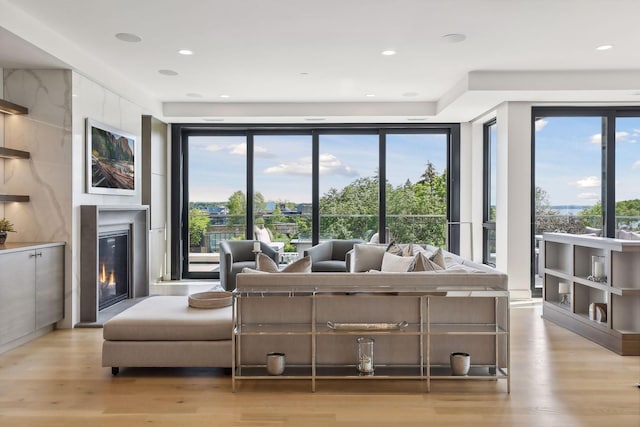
(111, 161)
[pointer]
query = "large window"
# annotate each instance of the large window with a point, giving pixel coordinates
(586, 167)
(416, 191)
(297, 186)
(490, 181)
(349, 186)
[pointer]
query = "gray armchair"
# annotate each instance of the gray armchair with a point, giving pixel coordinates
(236, 255)
(331, 256)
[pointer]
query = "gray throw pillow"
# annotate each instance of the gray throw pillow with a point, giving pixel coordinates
(438, 258)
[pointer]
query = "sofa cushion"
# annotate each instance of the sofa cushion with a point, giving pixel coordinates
(423, 263)
(397, 263)
(367, 257)
(329, 266)
(169, 318)
(438, 258)
(267, 265)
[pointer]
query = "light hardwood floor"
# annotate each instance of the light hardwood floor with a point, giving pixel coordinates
(558, 379)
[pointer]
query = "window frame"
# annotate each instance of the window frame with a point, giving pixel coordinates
(180, 133)
(487, 224)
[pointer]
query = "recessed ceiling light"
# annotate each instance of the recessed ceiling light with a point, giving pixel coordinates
(388, 52)
(213, 120)
(168, 72)
(410, 94)
(454, 38)
(370, 95)
(225, 96)
(185, 52)
(129, 37)
(314, 119)
(604, 47)
(304, 73)
(416, 119)
(194, 95)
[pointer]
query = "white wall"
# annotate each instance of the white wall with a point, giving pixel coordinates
(513, 204)
(2, 189)
(53, 132)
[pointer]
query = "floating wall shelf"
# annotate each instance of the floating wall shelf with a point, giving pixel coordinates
(13, 198)
(7, 107)
(10, 153)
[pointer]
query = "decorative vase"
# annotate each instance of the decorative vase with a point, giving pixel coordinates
(275, 363)
(365, 355)
(3, 237)
(460, 363)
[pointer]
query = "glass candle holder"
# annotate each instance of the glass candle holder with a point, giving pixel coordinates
(597, 268)
(365, 355)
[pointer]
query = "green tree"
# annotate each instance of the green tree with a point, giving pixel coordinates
(198, 224)
(550, 220)
(627, 214)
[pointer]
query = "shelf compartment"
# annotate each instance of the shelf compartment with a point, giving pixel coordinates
(558, 256)
(625, 271)
(585, 295)
(552, 294)
(465, 329)
(273, 329)
(380, 372)
(10, 153)
(626, 313)
(260, 372)
(411, 329)
(476, 372)
(582, 262)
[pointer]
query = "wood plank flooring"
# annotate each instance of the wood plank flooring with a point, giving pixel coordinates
(558, 379)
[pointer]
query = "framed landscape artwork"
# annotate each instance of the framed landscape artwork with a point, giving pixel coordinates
(111, 162)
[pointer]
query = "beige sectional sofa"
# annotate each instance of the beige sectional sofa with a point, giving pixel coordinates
(164, 331)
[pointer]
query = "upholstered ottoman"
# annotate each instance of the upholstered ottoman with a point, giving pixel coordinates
(163, 331)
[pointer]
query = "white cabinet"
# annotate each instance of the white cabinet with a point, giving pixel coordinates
(606, 311)
(31, 288)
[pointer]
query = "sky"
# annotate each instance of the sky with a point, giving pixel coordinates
(568, 159)
(282, 163)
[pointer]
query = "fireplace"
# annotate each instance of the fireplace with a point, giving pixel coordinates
(114, 245)
(113, 268)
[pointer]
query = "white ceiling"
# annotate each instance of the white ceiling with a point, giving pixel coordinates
(296, 59)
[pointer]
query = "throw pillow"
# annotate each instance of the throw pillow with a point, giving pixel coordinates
(396, 263)
(402, 250)
(302, 265)
(423, 263)
(438, 258)
(267, 265)
(367, 257)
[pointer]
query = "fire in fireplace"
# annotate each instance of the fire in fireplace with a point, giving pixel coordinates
(113, 268)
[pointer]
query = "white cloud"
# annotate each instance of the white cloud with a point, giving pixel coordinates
(214, 147)
(329, 165)
(589, 196)
(540, 124)
(300, 167)
(588, 182)
(636, 165)
(621, 136)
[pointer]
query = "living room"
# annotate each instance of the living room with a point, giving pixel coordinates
(303, 69)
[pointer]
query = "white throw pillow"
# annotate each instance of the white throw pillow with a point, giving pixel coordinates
(397, 264)
(367, 257)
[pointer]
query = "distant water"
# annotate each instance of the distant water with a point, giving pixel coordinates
(570, 209)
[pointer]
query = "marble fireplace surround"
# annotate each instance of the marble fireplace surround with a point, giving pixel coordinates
(95, 219)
